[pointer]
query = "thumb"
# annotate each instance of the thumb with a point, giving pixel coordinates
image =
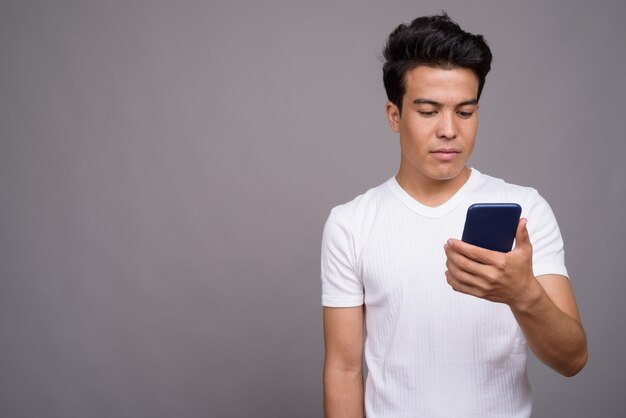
(521, 235)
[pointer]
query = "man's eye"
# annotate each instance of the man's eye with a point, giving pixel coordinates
(427, 114)
(465, 115)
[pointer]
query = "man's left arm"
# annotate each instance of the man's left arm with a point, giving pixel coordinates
(544, 306)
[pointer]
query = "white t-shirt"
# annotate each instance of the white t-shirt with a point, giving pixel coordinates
(430, 351)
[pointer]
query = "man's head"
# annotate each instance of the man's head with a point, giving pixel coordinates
(433, 75)
(432, 41)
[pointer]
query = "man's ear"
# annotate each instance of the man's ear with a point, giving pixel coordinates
(393, 116)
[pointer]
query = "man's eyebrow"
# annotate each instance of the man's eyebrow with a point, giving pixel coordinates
(426, 101)
(468, 102)
(435, 103)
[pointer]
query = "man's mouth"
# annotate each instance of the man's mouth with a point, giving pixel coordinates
(445, 154)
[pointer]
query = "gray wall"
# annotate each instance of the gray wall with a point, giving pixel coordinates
(166, 169)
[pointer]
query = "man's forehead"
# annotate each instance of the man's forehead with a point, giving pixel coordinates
(441, 85)
(427, 71)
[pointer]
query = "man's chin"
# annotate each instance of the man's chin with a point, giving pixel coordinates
(452, 175)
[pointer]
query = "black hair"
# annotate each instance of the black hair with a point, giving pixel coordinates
(434, 41)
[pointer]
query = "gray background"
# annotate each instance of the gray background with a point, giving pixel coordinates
(166, 169)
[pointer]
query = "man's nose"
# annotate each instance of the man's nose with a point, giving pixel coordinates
(446, 127)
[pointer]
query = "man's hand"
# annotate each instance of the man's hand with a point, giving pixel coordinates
(492, 275)
(544, 307)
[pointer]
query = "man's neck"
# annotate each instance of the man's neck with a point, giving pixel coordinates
(431, 192)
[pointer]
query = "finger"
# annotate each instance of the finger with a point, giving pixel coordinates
(463, 286)
(522, 238)
(521, 235)
(463, 276)
(478, 254)
(458, 261)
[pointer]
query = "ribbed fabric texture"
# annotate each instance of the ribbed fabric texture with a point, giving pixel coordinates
(430, 351)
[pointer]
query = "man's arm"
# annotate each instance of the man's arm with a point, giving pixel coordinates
(552, 327)
(544, 307)
(343, 362)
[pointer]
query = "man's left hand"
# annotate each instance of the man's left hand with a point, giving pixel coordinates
(492, 275)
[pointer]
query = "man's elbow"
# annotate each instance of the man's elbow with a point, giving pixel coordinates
(576, 365)
(352, 367)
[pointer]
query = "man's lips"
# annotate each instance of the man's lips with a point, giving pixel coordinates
(445, 154)
(446, 151)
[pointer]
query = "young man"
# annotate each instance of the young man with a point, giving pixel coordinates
(444, 325)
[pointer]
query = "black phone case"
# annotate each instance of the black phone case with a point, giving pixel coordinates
(492, 225)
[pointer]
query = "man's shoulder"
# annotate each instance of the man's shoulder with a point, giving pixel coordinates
(358, 216)
(366, 202)
(494, 185)
(492, 189)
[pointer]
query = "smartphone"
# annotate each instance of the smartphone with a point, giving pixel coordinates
(492, 225)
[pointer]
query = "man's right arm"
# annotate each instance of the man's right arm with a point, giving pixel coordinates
(343, 362)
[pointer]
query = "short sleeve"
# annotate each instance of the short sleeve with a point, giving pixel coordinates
(545, 237)
(341, 284)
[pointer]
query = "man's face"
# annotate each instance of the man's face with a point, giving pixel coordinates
(438, 123)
